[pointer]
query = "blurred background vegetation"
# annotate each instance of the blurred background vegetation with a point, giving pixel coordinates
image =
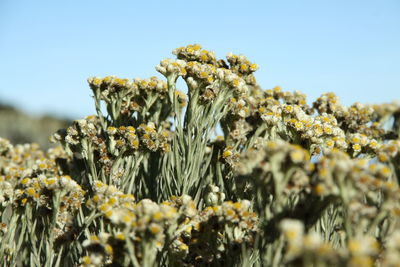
(20, 127)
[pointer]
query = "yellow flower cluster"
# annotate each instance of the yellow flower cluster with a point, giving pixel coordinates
(168, 67)
(359, 251)
(214, 231)
(108, 199)
(42, 188)
(123, 138)
(336, 167)
(111, 85)
(154, 140)
(151, 84)
(239, 107)
(125, 97)
(230, 156)
(195, 53)
(241, 64)
(272, 157)
(86, 128)
(103, 248)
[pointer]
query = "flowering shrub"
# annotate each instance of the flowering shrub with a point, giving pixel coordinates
(147, 181)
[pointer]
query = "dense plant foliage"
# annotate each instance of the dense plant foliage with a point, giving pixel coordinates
(225, 175)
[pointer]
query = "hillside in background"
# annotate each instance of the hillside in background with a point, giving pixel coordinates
(20, 127)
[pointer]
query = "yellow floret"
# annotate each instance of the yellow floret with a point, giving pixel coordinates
(30, 191)
(291, 234)
(108, 249)
(109, 213)
(120, 236)
(158, 216)
(237, 205)
(96, 81)
(104, 207)
(244, 67)
(383, 157)
(25, 181)
(319, 189)
(96, 198)
(86, 260)
(183, 247)
(155, 229)
(356, 147)
(112, 200)
(227, 153)
(94, 238)
(204, 57)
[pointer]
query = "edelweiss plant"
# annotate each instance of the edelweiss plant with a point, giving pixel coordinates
(225, 175)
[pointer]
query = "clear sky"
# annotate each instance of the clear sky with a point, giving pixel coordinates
(49, 48)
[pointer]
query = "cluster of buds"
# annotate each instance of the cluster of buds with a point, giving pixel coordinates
(234, 81)
(385, 109)
(360, 143)
(185, 206)
(273, 163)
(239, 107)
(124, 97)
(146, 219)
(270, 111)
(195, 53)
(286, 115)
(351, 180)
(354, 118)
(122, 139)
(336, 167)
(230, 156)
(389, 151)
(296, 98)
(292, 121)
(172, 68)
(153, 139)
(19, 156)
(240, 64)
(110, 86)
(59, 192)
(309, 248)
(20, 163)
(153, 220)
(293, 231)
(87, 128)
(240, 130)
(329, 103)
(199, 74)
(201, 70)
(41, 189)
(358, 114)
(213, 196)
(321, 130)
(215, 231)
(363, 251)
(152, 84)
(107, 199)
(45, 165)
(104, 248)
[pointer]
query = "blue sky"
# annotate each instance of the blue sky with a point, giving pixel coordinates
(49, 48)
